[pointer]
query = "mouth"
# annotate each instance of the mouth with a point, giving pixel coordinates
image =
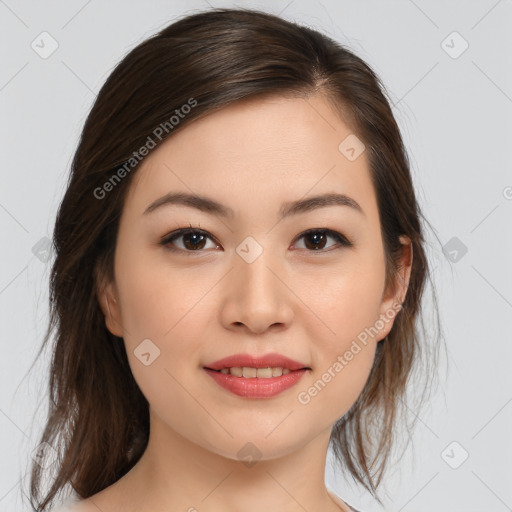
(248, 372)
(247, 364)
(256, 376)
(254, 383)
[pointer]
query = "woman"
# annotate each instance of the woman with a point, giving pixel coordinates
(239, 270)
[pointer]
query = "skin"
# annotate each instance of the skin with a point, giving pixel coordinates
(201, 306)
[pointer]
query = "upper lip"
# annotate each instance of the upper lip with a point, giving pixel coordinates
(250, 361)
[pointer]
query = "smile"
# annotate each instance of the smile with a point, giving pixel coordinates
(256, 382)
(260, 373)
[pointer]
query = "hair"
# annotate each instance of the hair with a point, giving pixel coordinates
(98, 418)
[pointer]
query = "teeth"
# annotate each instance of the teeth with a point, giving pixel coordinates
(261, 373)
(249, 372)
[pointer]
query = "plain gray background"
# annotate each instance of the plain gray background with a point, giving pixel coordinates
(454, 107)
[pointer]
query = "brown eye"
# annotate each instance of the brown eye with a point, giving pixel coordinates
(193, 240)
(316, 239)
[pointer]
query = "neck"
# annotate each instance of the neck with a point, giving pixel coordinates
(176, 474)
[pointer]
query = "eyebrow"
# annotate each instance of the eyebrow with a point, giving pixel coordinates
(207, 205)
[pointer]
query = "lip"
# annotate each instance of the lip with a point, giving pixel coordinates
(250, 361)
(254, 387)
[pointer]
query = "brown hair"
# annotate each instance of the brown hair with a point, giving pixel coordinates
(98, 419)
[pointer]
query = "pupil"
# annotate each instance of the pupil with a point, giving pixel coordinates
(315, 236)
(196, 239)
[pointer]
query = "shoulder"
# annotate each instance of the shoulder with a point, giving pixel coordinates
(102, 500)
(76, 507)
(75, 504)
(344, 505)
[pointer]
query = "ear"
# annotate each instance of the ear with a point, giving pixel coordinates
(394, 296)
(109, 304)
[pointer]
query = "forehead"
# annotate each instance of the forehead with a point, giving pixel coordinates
(262, 146)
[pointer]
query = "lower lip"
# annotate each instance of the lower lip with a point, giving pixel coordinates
(254, 387)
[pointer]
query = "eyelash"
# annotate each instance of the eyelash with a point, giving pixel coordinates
(341, 239)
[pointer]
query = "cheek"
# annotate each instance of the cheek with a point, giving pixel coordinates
(168, 314)
(168, 308)
(348, 304)
(345, 300)
(345, 352)
(157, 300)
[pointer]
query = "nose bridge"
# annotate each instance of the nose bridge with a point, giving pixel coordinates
(253, 270)
(256, 296)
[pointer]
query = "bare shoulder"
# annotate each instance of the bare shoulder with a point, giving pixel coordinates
(82, 506)
(109, 499)
(79, 505)
(343, 506)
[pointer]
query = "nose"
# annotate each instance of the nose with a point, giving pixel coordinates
(256, 296)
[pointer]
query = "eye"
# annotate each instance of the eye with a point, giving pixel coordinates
(315, 239)
(194, 240)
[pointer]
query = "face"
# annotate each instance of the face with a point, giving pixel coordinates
(247, 279)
